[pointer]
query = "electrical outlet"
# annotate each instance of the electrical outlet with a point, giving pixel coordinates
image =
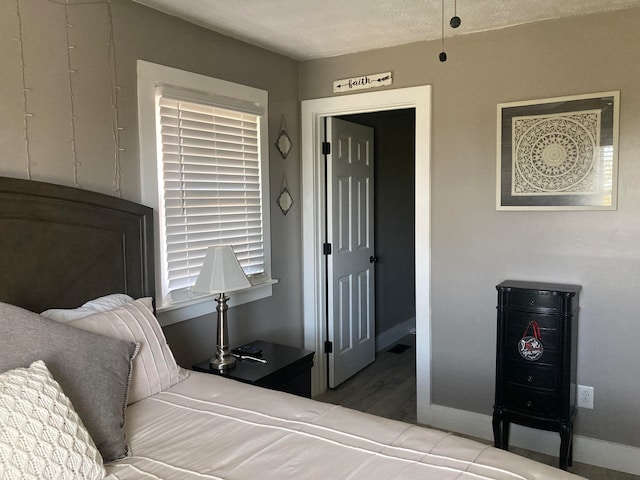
(585, 397)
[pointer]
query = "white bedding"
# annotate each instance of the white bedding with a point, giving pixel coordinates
(208, 427)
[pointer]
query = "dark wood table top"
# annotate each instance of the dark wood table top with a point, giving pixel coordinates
(277, 356)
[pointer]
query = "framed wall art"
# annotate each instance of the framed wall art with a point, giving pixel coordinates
(283, 142)
(558, 153)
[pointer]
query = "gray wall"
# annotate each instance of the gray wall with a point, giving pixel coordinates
(474, 247)
(394, 215)
(139, 33)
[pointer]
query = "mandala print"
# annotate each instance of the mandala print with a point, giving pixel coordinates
(556, 154)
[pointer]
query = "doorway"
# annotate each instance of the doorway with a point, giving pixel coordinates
(313, 114)
(388, 266)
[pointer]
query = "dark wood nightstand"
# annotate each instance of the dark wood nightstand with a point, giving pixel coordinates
(288, 369)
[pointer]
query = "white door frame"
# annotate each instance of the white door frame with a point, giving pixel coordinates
(313, 224)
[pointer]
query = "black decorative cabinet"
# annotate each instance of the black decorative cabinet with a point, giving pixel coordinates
(536, 360)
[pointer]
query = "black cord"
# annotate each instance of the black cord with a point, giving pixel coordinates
(455, 20)
(443, 55)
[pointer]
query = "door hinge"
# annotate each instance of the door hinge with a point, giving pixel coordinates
(326, 249)
(326, 148)
(328, 347)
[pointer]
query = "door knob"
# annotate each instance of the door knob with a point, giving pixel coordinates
(373, 259)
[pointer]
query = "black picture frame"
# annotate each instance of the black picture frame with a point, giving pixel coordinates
(558, 153)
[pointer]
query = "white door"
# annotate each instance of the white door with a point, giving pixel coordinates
(351, 314)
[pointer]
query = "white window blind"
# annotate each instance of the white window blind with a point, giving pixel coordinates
(211, 183)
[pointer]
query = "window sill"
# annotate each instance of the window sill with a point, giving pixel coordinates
(205, 304)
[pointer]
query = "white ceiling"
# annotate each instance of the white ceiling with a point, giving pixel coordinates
(307, 29)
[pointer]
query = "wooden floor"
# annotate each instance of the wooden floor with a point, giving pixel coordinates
(387, 388)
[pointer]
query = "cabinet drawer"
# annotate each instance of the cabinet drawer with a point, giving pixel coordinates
(517, 323)
(531, 375)
(531, 401)
(534, 301)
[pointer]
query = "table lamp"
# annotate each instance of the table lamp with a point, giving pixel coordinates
(221, 273)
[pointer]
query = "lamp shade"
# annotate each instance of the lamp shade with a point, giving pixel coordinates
(221, 272)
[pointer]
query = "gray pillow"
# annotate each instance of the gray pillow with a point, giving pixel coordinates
(93, 370)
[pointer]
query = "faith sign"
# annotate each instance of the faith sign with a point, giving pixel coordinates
(363, 82)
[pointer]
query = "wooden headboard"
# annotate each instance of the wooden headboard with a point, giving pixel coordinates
(62, 246)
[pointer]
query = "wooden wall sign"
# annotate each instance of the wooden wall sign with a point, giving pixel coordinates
(363, 82)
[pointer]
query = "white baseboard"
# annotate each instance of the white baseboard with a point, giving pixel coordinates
(587, 450)
(395, 333)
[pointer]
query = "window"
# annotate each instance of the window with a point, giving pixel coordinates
(210, 167)
(204, 170)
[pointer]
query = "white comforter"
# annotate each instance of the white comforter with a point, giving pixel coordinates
(208, 427)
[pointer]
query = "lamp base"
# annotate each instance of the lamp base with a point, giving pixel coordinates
(223, 359)
(222, 362)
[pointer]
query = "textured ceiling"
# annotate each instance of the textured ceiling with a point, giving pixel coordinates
(307, 29)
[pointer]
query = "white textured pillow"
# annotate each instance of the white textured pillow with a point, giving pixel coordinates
(102, 304)
(154, 368)
(41, 435)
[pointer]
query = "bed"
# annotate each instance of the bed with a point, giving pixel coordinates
(67, 252)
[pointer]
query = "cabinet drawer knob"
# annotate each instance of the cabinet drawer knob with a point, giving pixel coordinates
(530, 378)
(532, 302)
(529, 403)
